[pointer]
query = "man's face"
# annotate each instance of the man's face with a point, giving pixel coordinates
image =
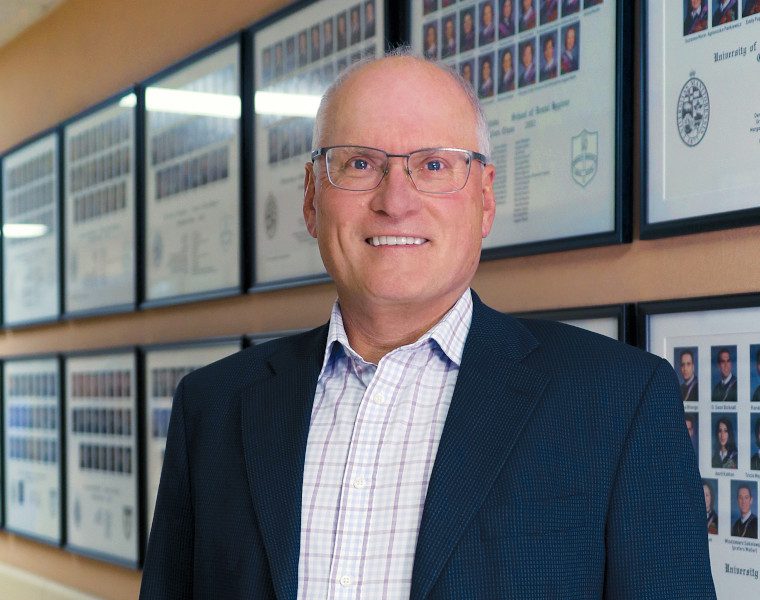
(328, 30)
(690, 428)
(570, 39)
(506, 10)
(355, 18)
(369, 12)
(526, 5)
(687, 367)
(341, 24)
(487, 14)
(430, 36)
(744, 499)
(485, 70)
(467, 72)
(696, 4)
(708, 497)
(549, 50)
(437, 271)
(467, 25)
(724, 364)
(722, 434)
(527, 56)
(449, 29)
(506, 62)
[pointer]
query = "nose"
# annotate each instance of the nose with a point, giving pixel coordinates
(396, 195)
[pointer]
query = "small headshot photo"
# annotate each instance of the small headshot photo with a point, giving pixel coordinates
(695, 16)
(507, 69)
(724, 11)
(303, 48)
(570, 7)
(710, 488)
(466, 71)
(548, 11)
(316, 43)
(486, 25)
(485, 81)
(549, 65)
(429, 6)
(266, 65)
(527, 15)
(328, 39)
(723, 374)
(506, 18)
(751, 7)
(685, 361)
(692, 428)
(467, 29)
(744, 511)
(369, 19)
(341, 28)
(449, 38)
(754, 372)
(430, 37)
(279, 59)
(356, 25)
(527, 63)
(570, 43)
(754, 462)
(724, 454)
(290, 54)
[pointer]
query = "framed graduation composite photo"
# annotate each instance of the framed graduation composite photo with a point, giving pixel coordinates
(714, 347)
(165, 366)
(296, 54)
(193, 141)
(102, 456)
(99, 204)
(33, 448)
(700, 115)
(554, 78)
(31, 232)
(615, 321)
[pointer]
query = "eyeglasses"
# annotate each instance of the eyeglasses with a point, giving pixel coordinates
(431, 170)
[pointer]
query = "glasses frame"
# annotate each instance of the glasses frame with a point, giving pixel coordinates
(482, 158)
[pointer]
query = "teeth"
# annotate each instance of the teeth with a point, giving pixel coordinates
(395, 240)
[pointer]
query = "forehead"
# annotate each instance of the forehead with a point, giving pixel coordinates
(400, 104)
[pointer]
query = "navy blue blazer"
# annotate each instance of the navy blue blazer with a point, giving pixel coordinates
(564, 471)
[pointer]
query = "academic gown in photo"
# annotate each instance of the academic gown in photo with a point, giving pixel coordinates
(557, 451)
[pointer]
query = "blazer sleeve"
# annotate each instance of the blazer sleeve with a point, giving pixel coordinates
(168, 571)
(656, 535)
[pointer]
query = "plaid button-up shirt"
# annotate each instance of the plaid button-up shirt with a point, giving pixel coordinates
(372, 441)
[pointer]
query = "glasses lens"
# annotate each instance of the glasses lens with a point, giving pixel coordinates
(439, 171)
(355, 168)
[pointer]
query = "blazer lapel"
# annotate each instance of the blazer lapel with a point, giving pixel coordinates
(276, 412)
(493, 398)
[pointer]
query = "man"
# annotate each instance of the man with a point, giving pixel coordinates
(316, 43)
(327, 29)
(431, 41)
(725, 12)
(507, 79)
(468, 31)
(356, 28)
(507, 20)
(527, 15)
(691, 428)
(485, 89)
(369, 19)
(569, 61)
(487, 28)
(342, 32)
(696, 17)
(549, 65)
(465, 70)
(402, 449)
(756, 393)
(689, 385)
(528, 67)
(746, 525)
(303, 49)
(725, 389)
(449, 38)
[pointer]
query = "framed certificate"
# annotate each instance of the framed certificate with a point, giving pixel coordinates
(714, 346)
(99, 162)
(31, 232)
(164, 366)
(615, 321)
(700, 116)
(297, 53)
(103, 517)
(192, 178)
(554, 78)
(32, 448)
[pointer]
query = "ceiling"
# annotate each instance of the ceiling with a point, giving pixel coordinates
(17, 15)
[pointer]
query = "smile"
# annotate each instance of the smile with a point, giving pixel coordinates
(395, 240)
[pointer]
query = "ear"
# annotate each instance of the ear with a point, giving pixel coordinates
(489, 201)
(309, 197)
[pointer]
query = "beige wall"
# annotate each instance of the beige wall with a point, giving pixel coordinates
(89, 49)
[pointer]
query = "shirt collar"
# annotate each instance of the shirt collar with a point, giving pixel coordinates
(449, 333)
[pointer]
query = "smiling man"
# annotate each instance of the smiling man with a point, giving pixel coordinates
(420, 444)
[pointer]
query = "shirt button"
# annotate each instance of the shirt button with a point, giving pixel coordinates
(378, 399)
(359, 483)
(345, 581)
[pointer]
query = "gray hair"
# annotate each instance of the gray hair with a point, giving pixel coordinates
(481, 125)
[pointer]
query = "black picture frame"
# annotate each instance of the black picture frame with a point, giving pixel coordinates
(58, 424)
(127, 98)
(622, 196)
(696, 223)
(624, 315)
(383, 36)
(48, 316)
(135, 462)
(238, 231)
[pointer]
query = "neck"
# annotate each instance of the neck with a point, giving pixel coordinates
(375, 330)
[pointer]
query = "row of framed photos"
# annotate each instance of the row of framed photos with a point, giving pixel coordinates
(188, 186)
